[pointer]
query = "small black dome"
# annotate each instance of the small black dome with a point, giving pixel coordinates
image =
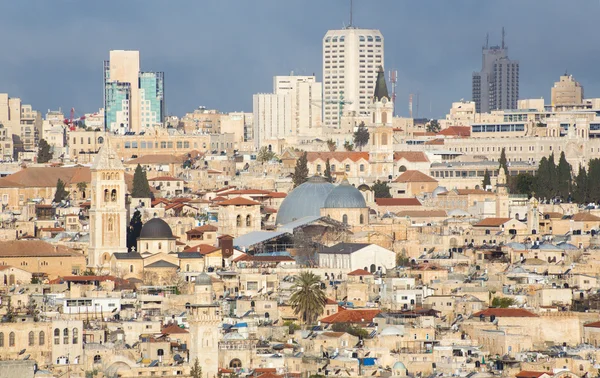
(156, 228)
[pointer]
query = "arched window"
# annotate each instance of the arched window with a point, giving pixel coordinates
(384, 141)
(97, 359)
(56, 336)
(75, 335)
(31, 340)
(159, 245)
(373, 268)
(100, 140)
(248, 221)
(332, 167)
(238, 221)
(110, 224)
(361, 167)
(11, 339)
(106, 195)
(402, 168)
(1, 339)
(347, 167)
(187, 267)
(113, 195)
(42, 338)
(344, 219)
(130, 268)
(319, 168)
(361, 219)
(65, 336)
(235, 363)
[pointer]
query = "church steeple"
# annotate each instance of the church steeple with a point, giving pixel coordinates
(381, 90)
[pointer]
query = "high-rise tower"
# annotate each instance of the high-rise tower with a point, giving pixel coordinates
(351, 60)
(496, 86)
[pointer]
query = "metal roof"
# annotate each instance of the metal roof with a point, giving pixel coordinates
(256, 237)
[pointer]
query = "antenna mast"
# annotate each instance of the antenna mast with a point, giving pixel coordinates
(393, 76)
(503, 35)
(351, 6)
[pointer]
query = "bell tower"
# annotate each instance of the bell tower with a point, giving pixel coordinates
(108, 215)
(381, 143)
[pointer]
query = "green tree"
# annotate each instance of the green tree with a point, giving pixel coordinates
(503, 162)
(265, 155)
(563, 173)
(381, 189)
(331, 145)
(196, 370)
(134, 230)
(348, 146)
(361, 136)
(44, 153)
(433, 126)
(308, 299)
(301, 171)
(593, 181)
(487, 181)
(580, 187)
(141, 188)
(327, 174)
(61, 192)
(353, 330)
(523, 183)
(81, 187)
(504, 302)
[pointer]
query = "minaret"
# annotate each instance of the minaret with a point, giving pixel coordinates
(501, 194)
(108, 215)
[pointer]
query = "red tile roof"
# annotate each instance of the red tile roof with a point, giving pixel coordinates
(492, 222)
(204, 249)
(202, 229)
(456, 131)
(238, 201)
(506, 313)
(585, 217)
(172, 329)
(397, 202)
(164, 178)
(414, 176)
(532, 374)
(352, 316)
(436, 141)
(592, 325)
(247, 192)
(277, 195)
(359, 272)
(82, 279)
(411, 156)
(338, 156)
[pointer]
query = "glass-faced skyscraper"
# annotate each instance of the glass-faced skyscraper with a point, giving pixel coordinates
(133, 100)
(496, 86)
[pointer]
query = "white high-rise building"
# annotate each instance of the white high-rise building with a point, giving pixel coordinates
(292, 110)
(351, 59)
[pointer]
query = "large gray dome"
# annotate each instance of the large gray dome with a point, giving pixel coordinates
(156, 228)
(439, 190)
(203, 279)
(305, 200)
(345, 196)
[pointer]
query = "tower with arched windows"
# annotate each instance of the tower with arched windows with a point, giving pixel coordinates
(108, 215)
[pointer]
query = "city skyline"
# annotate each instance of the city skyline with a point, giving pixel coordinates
(59, 64)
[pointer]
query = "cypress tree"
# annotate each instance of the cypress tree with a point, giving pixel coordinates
(486, 180)
(361, 136)
(301, 171)
(134, 230)
(580, 187)
(503, 162)
(61, 193)
(563, 172)
(44, 153)
(141, 188)
(327, 174)
(593, 175)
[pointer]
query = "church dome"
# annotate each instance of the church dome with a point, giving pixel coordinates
(399, 366)
(345, 196)
(305, 200)
(439, 190)
(156, 228)
(203, 279)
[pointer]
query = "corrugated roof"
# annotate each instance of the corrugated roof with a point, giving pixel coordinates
(256, 237)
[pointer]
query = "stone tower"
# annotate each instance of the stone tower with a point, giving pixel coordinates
(205, 321)
(108, 215)
(533, 216)
(501, 194)
(381, 143)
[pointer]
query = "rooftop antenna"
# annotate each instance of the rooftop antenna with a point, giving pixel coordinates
(503, 35)
(351, 6)
(487, 41)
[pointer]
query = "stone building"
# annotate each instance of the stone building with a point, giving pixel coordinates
(347, 205)
(239, 216)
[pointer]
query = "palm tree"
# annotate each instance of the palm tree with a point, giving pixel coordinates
(82, 186)
(308, 299)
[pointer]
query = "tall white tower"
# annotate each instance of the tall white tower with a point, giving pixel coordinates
(351, 60)
(108, 215)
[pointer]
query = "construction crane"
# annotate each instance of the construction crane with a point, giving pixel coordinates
(69, 121)
(340, 102)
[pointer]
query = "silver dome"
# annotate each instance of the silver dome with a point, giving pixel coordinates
(345, 196)
(439, 190)
(203, 279)
(305, 200)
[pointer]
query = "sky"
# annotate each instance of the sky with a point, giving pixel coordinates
(218, 53)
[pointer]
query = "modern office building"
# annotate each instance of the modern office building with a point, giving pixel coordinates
(351, 59)
(496, 86)
(566, 91)
(133, 100)
(292, 110)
